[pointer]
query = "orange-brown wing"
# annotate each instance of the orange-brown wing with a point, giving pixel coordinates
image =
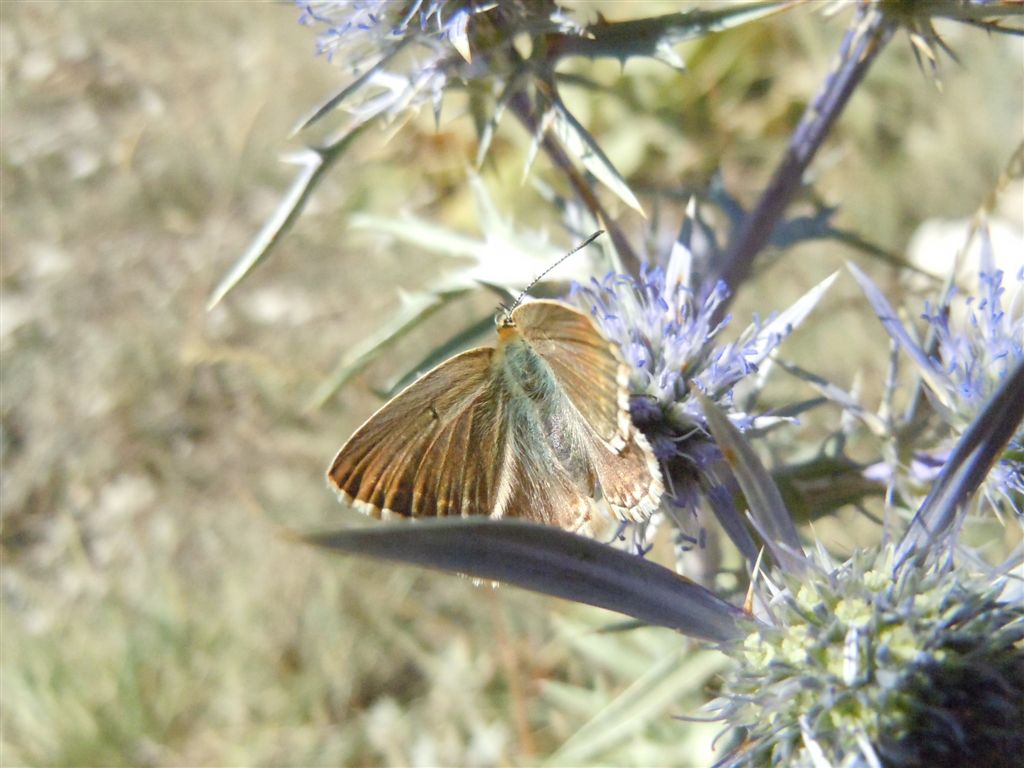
(410, 456)
(630, 480)
(459, 471)
(590, 371)
(588, 367)
(495, 457)
(461, 441)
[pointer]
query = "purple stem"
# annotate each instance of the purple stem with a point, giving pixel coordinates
(520, 106)
(864, 40)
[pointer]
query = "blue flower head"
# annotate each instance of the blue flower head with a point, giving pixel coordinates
(670, 339)
(975, 351)
(977, 341)
(361, 29)
(367, 36)
(975, 354)
(405, 53)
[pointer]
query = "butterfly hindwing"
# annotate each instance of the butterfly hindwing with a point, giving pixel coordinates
(545, 475)
(630, 480)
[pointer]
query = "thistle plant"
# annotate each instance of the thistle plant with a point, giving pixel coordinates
(664, 323)
(867, 665)
(404, 55)
(975, 342)
(908, 652)
(893, 657)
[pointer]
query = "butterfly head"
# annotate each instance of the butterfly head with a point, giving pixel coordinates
(503, 320)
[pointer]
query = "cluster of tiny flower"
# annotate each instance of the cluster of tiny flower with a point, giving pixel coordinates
(976, 343)
(665, 335)
(864, 666)
(669, 337)
(361, 29)
(405, 54)
(973, 356)
(368, 35)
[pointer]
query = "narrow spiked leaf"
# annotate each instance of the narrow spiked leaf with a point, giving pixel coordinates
(839, 396)
(766, 506)
(315, 163)
(550, 561)
(578, 143)
(654, 36)
(338, 99)
(786, 321)
(885, 312)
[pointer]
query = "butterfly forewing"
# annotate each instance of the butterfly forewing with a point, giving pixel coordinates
(458, 472)
(377, 468)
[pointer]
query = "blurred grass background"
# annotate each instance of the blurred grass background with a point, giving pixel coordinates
(153, 453)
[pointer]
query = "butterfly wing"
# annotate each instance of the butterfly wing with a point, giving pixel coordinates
(408, 458)
(534, 430)
(458, 441)
(594, 379)
(587, 366)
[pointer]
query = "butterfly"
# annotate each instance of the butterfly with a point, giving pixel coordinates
(536, 428)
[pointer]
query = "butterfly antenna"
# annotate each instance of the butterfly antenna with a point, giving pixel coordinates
(540, 277)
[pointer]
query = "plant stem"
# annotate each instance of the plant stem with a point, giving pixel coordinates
(865, 39)
(519, 104)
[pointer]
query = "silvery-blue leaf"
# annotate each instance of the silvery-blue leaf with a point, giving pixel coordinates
(654, 36)
(840, 397)
(489, 218)
(578, 143)
(504, 256)
(490, 127)
(766, 506)
(336, 100)
(550, 561)
(925, 367)
(423, 233)
(535, 141)
(734, 525)
(801, 229)
(763, 423)
(786, 321)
